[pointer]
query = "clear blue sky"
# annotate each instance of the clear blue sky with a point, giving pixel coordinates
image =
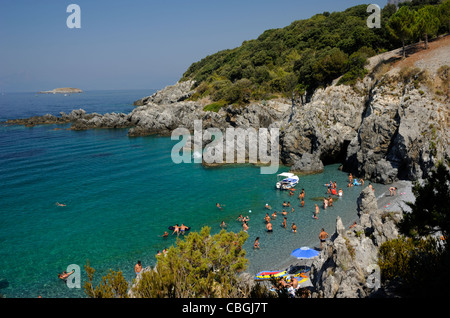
(131, 44)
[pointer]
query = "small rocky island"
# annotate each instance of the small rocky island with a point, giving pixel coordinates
(64, 90)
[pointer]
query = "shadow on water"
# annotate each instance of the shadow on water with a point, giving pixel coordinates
(3, 284)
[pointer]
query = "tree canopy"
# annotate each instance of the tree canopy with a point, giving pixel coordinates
(311, 53)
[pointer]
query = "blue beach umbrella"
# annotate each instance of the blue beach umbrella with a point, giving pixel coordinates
(304, 253)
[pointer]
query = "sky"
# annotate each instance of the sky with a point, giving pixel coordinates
(133, 44)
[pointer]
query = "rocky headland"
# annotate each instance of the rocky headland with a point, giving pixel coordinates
(391, 125)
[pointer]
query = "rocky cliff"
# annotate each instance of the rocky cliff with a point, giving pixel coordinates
(391, 125)
(347, 264)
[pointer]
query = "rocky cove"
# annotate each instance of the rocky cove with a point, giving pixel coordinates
(387, 127)
(390, 128)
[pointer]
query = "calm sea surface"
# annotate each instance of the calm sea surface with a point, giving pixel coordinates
(122, 193)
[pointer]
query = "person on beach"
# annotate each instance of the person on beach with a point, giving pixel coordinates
(281, 284)
(294, 228)
(292, 287)
(138, 268)
(323, 237)
(325, 203)
(392, 191)
(316, 210)
(353, 225)
(340, 193)
(330, 201)
(269, 227)
(256, 244)
(267, 218)
(284, 224)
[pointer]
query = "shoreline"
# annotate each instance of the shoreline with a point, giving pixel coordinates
(385, 203)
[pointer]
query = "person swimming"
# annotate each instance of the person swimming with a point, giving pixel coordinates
(65, 275)
(183, 228)
(256, 244)
(176, 229)
(60, 204)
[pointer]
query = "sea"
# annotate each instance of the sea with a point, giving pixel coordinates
(122, 193)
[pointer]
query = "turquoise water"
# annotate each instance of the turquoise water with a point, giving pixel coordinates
(122, 193)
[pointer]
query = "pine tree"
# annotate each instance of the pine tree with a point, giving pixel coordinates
(427, 22)
(401, 26)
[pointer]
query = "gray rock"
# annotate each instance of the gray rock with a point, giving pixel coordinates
(344, 265)
(307, 164)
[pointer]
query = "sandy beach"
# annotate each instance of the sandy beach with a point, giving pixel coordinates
(386, 203)
(404, 193)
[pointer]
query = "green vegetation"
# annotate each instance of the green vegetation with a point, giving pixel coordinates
(113, 285)
(200, 265)
(420, 259)
(401, 26)
(295, 60)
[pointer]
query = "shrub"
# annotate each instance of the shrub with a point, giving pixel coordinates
(214, 107)
(201, 265)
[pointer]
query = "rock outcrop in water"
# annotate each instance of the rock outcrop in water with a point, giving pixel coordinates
(64, 90)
